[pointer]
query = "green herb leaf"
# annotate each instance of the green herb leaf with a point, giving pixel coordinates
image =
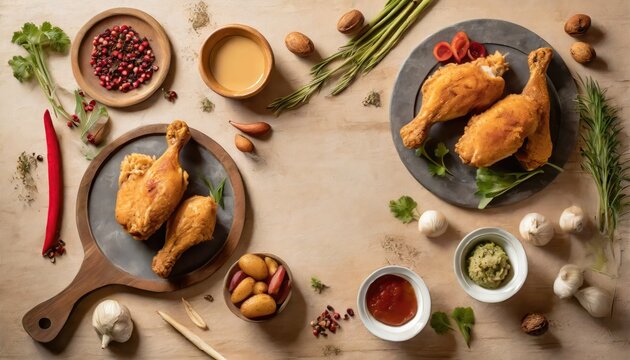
(404, 209)
(435, 167)
(440, 322)
(491, 184)
(23, 67)
(317, 285)
(216, 192)
(465, 319)
(54, 37)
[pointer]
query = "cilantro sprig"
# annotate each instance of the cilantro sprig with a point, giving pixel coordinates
(436, 167)
(464, 318)
(35, 40)
(317, 285)
(404, 209)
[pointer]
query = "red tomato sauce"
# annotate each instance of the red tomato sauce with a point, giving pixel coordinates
(392, 300)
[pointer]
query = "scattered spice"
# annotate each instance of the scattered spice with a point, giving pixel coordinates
(400, 251)
(327, 321)
(317, 285)
(329, 350)
(25, 183)
(122, 59)
(169, 95)
(209, 298)
(207, 105)
(372, 99)
(199, 17)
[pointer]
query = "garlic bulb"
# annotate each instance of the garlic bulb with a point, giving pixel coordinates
(596, 301)
(536, 229)
(569, 279)
(572, 219)
(432, 223)
(113, 321)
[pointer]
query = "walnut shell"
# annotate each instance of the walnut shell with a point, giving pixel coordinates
(583, 52)
(350, 22)
(299, 44)
(577, 24)
(534, 324)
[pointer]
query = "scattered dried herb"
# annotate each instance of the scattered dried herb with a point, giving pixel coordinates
(372, 99)
(404, 209)
(209, 298)
(317, 285)
(329, 350)
(402, 252)
(199, 17)
(25, 183)
(207, 105)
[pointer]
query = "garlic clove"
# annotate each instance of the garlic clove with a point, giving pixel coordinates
(536, 229)
(597, 301)
(572, 219)
(570, 278)
(432, 223)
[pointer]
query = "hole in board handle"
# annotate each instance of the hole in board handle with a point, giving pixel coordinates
(44, 323)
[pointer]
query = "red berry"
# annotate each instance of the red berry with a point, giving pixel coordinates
(69, 123)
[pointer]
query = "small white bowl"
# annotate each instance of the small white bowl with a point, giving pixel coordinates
(515, 252)
(413, 326)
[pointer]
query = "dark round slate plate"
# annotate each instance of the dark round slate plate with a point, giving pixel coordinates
(517, 42)
(133, 256)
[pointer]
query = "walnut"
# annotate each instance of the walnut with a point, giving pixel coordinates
(582, 52)
(577, 24)
(534, 324)
(299, 44)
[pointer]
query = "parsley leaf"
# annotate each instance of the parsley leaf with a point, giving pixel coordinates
(440, 322)
(465, 319)
(404, 209)
(491, 184)
(435, 167)
(22, 67)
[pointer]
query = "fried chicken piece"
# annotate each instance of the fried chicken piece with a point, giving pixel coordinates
(149, 189)
(501, 130)
(453, 91)
(192, 223)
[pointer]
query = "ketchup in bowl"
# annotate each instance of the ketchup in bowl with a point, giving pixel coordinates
(392, 300)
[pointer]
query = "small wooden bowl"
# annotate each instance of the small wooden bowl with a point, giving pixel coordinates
(81, 49)
(234, 309)
(205, 56)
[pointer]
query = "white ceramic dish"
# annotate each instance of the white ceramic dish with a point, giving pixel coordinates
(515, 252)
(411, 328)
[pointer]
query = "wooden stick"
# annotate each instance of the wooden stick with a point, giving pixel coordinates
(192, 337)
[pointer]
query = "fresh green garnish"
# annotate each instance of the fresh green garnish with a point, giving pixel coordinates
(440, 322)
(317, 285)
(216, 192)
(359, 55)
(207, 105)
(465, 319)
(404, 209)
(435, 167)
(35, 40)
(491, 184)
(602, 152)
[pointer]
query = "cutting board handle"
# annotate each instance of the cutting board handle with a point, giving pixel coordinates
(44, 322)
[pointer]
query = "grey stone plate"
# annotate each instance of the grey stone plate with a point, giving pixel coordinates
(133, 256)
(517, 42)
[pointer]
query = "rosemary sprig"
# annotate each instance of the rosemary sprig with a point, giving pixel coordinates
(601, 152)
(359, 55)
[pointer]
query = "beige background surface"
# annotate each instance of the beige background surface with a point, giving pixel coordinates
(318, 194)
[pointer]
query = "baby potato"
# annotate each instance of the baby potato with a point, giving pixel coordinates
(260, 287)
(272, 265)
(258, 306)
(243, 290)
(253, 266)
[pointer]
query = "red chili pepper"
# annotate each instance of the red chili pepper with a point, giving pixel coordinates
(54, 184)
